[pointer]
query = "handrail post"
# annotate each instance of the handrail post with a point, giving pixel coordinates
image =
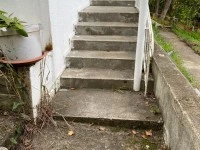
(143, 15)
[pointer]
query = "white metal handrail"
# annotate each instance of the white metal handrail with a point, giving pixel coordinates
(145, 44)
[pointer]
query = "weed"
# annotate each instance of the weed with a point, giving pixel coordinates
(191, 38)
(167, 47)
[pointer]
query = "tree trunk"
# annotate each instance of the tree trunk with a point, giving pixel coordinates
(157, 7)
(166, 8)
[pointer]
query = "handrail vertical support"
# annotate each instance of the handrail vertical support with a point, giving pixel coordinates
(143, 15)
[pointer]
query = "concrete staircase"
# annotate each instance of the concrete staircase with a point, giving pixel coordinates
(100, 67)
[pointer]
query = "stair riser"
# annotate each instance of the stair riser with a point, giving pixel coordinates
(67, 83)
(108, 17)
(139, 124)
(100, 63)
(92, 30)
(95, 83)
(113, 3)
(104, 45)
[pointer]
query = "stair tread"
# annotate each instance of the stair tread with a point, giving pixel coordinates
(109, 9)
(115, 0)
(118, 55)
(97, 73)
(107, 24)
(105, 38)
(104, 104)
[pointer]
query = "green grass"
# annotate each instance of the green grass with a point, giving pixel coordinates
(190, 37)
(174, 56)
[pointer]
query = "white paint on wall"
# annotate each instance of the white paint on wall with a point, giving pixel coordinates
(35, 79)
(63, 17)
(42, 75)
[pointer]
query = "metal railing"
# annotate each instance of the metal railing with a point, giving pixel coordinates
(145, 44)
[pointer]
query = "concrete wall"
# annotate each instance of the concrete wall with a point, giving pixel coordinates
(179, 103)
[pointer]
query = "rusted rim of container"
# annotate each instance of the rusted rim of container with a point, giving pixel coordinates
(22, 62)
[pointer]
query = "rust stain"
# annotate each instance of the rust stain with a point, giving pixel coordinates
(49, 47)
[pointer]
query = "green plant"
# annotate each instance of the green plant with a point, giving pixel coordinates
(192, 38)
(168, 47)
(9, 22)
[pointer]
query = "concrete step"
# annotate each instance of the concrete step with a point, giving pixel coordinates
(121, 60)
(96, 78)
(106, 43)
(108, 14)
(128, 3)
(127, 109)
(100, 79)
(106, 28)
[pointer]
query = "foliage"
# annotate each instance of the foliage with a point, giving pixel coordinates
(190, 37)
(9, 22)
(186, 11)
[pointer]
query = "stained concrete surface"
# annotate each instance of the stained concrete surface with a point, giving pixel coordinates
(179, 104)
(191, 60)
(108, 14)
(107, 28)
(92, 137)
(97, 104)
(109, 9)
(129, 3)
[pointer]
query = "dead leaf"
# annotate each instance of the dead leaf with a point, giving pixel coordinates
(144, 136)
(161, 55)
(148, 133)
(102, 128)
(147, 146)
(70, 133)
(134, 132)
(5, 113)
(25, 117)
(27, 142)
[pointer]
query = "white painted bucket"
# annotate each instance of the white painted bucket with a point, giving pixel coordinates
(17, 47)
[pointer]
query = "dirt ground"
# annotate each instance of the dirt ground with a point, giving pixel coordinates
(94, 137)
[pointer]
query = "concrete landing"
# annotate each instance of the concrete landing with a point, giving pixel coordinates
(125, 107)
(91, 137)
